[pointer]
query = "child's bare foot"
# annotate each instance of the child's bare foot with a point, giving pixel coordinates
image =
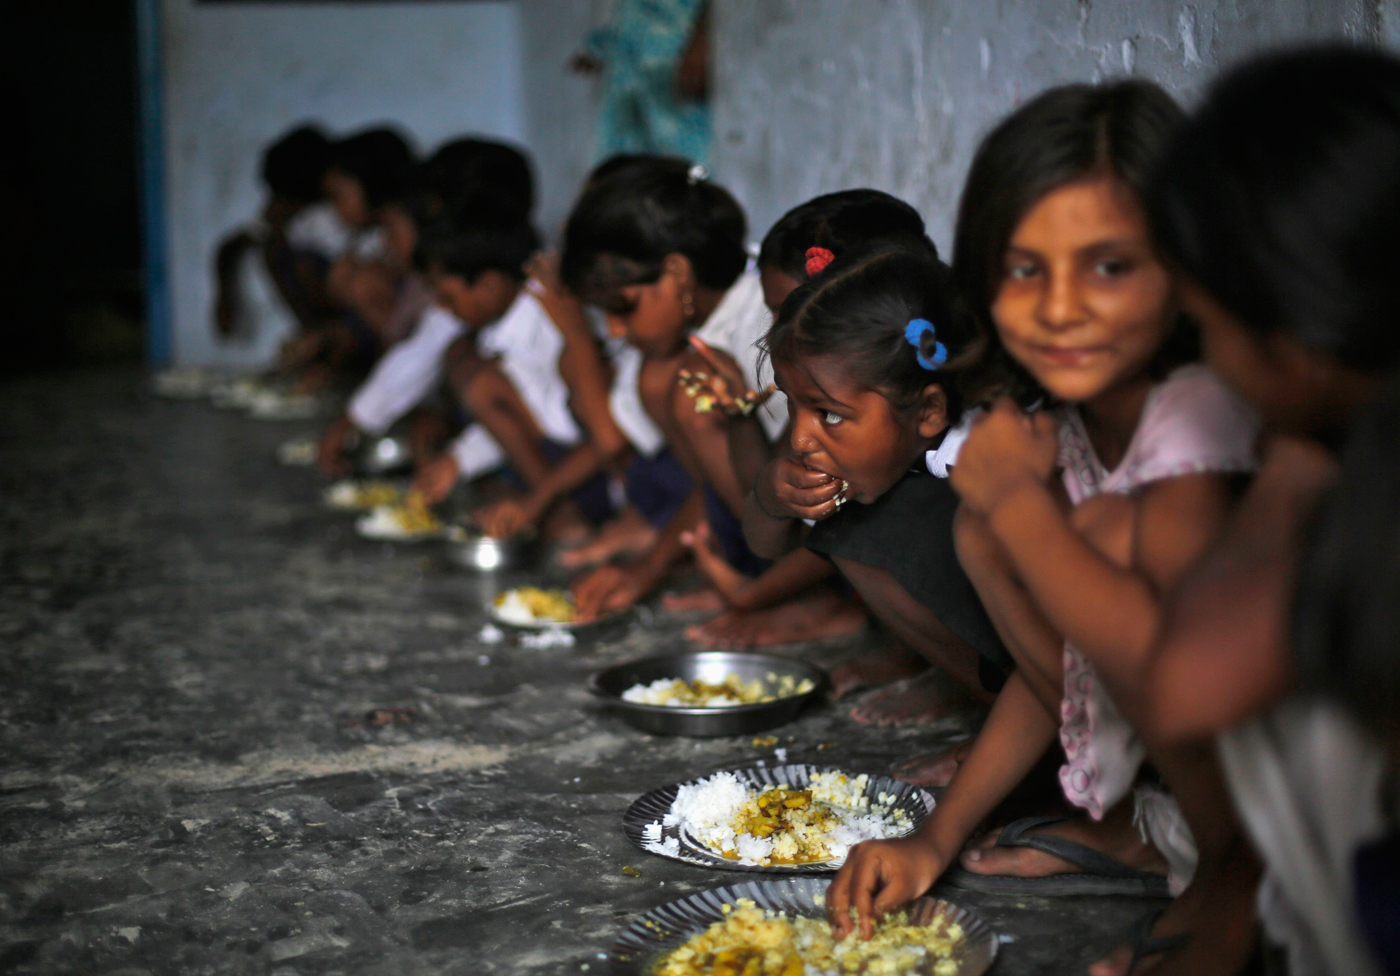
(921, 700)
(878, 666)
(628, 534)
(727, 581)
(1115, 836)
(814, 615)
(934, 768)
(704, 600)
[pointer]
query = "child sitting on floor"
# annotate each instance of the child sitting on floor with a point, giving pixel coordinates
(1074, 522)
(367, 170)
(661, 250)
(860, 351)
(259, 301)
(787, 601)
(408, 375)
(506, 369)
(1281, 226)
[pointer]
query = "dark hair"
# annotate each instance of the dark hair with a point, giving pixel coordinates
(292, 167)
(1346, 627)
(838, 222)
(859, 307)
(625, 224)
(1064, 135)
(471, 169)
(1280, 199)
(379, 159)
(621, 161)
(475, 238)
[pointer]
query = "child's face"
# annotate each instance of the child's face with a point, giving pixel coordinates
(852, 432)
(400, 235)
(348, 197)
(777, 286)
(651, 316)
(478, 303)
(1084, 303)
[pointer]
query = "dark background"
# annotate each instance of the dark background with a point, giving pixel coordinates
(70, 246)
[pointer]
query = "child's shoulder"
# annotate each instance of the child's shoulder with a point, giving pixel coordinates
(1194, 423)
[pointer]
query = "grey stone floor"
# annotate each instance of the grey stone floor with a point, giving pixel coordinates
(189, 645)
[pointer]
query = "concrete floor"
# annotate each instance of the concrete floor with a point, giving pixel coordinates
(189, 646)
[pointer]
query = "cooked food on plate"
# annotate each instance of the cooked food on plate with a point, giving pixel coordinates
(753, 942)
(821, 823)
(731, 691)
(361, 496)
(527, 606)
(410, 519)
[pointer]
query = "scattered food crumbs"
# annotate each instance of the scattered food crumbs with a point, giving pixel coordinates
(630, 871)
(604, 955)
(483, 659)
(391, 716)
(576, 779)
(827, 745)
(584, 966)
(491, 634)
(321, 824)
(780, 755)
(763, 741)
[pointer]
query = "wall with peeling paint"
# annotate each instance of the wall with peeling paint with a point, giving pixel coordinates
(819, 95)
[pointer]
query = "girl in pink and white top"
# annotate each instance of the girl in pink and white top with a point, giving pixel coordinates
(1077, 517)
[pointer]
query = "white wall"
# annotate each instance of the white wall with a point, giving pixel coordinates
(813, 96)
(237, 75)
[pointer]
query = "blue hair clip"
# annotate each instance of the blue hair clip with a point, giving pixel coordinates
(914, 334)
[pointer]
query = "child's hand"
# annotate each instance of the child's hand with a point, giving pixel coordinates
(607, 589)
(724, 388)
(1005, 450)
(787, 488)
(435, 478)
(878, 877)
(504, 518)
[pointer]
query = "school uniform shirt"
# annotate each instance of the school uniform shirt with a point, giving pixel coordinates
(625, 402)
(406, 374)
(318, 229)
(527, 344)
(736, 326)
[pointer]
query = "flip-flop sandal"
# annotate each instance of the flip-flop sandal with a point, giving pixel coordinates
(1101, 874)
(1142, 943)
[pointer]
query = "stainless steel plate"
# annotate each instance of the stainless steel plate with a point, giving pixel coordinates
(652, 807)
(643, 943)
(605, 619)
(712, 666)
(480, 553)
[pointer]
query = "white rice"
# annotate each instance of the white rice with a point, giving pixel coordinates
(706, 811)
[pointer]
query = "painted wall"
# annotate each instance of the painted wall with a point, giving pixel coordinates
(237, 75)
(820, 95)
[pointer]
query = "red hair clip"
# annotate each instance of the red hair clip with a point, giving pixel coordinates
(817, 259)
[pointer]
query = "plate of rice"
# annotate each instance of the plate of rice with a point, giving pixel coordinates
(408, 521)
(782, 819)
(532, 607)
(361, 496)
(778, 927)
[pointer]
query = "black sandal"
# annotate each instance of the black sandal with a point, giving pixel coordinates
(1101, 874)
(1142, 943)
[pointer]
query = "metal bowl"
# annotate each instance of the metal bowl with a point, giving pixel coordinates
(712, 666)
(645, 942)
(383, 455)
(477, 552)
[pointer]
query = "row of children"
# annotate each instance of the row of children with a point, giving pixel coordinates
(1168, 578)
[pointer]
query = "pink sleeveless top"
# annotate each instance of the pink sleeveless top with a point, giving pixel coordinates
(1191, 424)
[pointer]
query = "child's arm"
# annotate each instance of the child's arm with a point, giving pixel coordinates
(1223, 651)
(784, 493)
(612, 587)
(881, 875)
(509, 515)
(1109, 611)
